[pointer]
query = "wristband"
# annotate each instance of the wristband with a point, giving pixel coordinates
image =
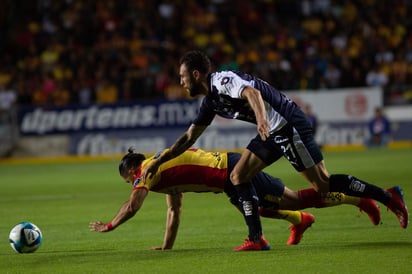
(109, 226)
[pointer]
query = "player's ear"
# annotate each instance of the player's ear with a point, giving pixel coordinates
(196, 74)
(131, 171)
(130, 175)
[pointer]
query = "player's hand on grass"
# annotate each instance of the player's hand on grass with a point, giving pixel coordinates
(98, 227)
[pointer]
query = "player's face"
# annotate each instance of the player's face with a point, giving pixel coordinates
(129, 178)
(189, 82)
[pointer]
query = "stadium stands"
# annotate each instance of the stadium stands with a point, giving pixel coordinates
(83, 51)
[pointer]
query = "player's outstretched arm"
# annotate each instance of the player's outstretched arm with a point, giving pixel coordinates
(174, 210)
(181, 145)
(127, 211)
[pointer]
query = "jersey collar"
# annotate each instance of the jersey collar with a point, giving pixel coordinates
(137, 175)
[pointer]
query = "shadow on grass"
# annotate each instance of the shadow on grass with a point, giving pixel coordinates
(377, 245)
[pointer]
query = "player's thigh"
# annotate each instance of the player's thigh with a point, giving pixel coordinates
(267, 151)
(246, 168)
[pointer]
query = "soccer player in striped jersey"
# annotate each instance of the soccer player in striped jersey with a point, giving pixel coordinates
(196, 170)
(283, 130)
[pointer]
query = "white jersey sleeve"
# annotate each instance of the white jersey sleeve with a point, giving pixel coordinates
(229, 83)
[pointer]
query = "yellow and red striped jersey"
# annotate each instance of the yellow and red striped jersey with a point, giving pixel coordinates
(195, 170)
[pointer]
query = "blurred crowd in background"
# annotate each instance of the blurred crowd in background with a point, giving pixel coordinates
(62, 52)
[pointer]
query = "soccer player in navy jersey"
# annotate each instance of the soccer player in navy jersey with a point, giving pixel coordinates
(196, 170)
(283, 130)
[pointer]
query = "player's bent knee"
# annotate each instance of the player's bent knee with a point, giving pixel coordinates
(235, 178)
(240, 177)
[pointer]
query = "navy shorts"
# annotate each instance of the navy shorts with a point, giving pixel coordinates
(268, 189)
(294, 141)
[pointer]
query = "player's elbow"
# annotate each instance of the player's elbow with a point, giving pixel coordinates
(240, 177)
(250, 92)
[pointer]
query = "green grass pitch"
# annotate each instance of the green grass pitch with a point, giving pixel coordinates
(63, 197)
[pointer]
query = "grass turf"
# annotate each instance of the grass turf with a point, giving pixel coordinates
(62, 198)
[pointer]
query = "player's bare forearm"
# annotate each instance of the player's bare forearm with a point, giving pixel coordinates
(122, 216)
(256, 103)
(175, 150)
(183, 142)
(181, 145)
(126, 211)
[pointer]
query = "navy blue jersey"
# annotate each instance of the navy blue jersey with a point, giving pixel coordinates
(225, 99)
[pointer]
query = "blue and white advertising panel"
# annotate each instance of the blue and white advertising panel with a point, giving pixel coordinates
(151, 126)
(157, 114)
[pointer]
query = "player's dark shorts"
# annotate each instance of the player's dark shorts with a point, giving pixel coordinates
(294, 141)
(268, 189)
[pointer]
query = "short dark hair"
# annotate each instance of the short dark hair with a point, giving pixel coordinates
(130, 160)
(196, 60)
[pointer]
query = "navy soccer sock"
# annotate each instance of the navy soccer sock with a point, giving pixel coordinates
(353, 186)
(249, 205)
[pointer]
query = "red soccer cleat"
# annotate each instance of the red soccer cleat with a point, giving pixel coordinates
(397, 206)
(370, 207)
(296, 231)
(249, 245)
